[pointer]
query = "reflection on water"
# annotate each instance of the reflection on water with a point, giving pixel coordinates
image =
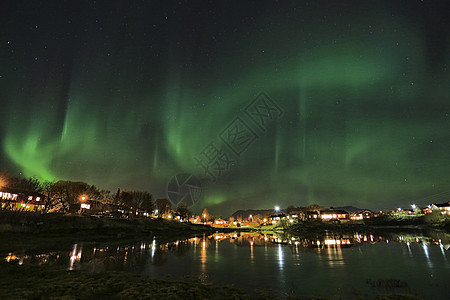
(76, 256)
(159, 252)
(286, 263)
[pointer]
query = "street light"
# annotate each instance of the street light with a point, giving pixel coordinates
(84, 205)
(277, 208)
(413, 206)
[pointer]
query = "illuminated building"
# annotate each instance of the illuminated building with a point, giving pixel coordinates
(21, 200)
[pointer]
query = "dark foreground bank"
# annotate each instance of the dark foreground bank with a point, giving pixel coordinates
(45, 282)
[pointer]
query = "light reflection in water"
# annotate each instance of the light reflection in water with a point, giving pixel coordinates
(75, 256)
(252, 257)
(427, 255)
(425, 250)
(442, 250)
(203, 255)
(280, 257)
(332, 246)
(153, 248)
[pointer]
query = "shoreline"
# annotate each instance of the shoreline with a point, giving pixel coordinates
(56, 230)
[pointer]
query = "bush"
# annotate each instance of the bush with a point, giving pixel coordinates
(434, 217)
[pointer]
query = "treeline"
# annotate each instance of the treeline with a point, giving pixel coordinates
(66, 196)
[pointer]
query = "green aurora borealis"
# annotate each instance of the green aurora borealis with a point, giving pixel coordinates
(125, 95)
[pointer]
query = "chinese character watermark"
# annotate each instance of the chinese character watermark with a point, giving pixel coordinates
(238, 136)
(221, 154)
(184, 188)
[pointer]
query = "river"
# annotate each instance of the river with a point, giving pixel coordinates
(334, 266)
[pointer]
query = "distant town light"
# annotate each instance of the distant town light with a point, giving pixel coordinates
(413, 206)
(277, 208)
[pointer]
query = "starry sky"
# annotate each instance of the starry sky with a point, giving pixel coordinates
(130, 93)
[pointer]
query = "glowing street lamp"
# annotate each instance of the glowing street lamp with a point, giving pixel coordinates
(277, 208)
(413, 206)
(84, 205)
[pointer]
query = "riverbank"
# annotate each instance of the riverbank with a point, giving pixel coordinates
(33, 230)
(317, 228)
(25, 230)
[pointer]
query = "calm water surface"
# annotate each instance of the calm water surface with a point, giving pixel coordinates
(335, 266)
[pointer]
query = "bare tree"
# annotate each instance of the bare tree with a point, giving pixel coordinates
(69, 193)
(142, 200)
(183, 210)
(163, 206)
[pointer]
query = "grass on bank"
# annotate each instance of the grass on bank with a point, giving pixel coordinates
(27, 229)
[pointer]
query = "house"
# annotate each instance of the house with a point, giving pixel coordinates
(330, 214)
(363, 214)
(298, 215)
(275, 218)
(220, 222)
(444, 208)
(21, 200)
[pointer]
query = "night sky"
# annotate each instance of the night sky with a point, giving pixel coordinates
(127, 94)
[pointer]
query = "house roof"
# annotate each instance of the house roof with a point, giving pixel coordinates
(17, 191)
(333, 211)
(277, 215)
(363, 211)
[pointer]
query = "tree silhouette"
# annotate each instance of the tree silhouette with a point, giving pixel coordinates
(68, 193)
(163, 206)
(183, 210)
